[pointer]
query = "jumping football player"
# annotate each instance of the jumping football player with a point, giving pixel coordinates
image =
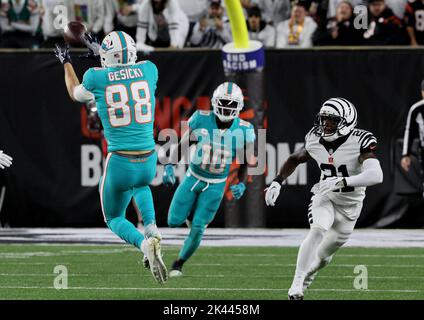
(346, 157)
(220, 136)
(94, 125)
(124, 92)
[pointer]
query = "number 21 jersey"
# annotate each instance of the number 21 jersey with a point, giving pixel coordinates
(340, 158)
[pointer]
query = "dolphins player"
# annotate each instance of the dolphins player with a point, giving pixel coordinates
(220, 136)
(124, 92)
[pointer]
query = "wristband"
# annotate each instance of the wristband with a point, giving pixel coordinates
(279, 179)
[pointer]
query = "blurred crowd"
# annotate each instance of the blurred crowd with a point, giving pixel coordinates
(204, 23)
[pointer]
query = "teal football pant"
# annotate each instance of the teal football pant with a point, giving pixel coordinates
(124, 178)
(202, 197)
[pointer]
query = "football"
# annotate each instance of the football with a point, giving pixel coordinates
(73, 33)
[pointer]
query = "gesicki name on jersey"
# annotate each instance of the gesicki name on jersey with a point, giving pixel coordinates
(125, 74)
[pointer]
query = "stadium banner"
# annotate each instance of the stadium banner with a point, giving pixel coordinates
(58, 161)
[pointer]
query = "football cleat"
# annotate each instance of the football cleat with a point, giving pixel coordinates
(176, 269)
(296, 289)
(151, 249)
(295, 295)
(175, 273)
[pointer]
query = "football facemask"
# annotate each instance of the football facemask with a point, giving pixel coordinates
(329, 124)
(226, 110)
(227, 101)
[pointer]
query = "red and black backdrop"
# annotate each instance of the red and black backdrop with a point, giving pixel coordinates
(46, 134)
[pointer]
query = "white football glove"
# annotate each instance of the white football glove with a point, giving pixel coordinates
(315, 188)
(5, 160)
(331, 184)
(272, 193)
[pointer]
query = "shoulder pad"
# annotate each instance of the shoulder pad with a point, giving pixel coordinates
(365, 138)
(204, 112)
(312, 133)
(359, 132)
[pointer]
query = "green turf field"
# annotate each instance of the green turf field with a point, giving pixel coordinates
(115, 272)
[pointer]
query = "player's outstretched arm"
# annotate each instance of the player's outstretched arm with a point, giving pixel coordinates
(273, 191)
(372, 173)
(71, 79)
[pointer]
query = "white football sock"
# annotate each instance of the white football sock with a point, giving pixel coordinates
(307, 252)
(332, 241)
(152, 231)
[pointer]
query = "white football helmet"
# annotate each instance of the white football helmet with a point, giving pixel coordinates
(118, 49)
(227, 101)
(342, 112)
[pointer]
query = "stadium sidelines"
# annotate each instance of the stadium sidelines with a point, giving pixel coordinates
(214, 237)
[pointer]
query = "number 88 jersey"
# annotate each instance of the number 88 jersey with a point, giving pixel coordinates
(340, 158)
(125, 100)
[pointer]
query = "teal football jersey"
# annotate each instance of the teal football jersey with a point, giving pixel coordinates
(125, 99)
(215, 148)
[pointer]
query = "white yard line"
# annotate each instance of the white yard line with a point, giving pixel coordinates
(218, 276)
(334, 265)
(271, 255)
(196, 289)
(24, 255)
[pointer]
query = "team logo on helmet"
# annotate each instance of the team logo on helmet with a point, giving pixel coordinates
(107, 44)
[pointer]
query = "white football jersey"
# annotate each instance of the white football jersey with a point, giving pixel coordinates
(341, 158)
